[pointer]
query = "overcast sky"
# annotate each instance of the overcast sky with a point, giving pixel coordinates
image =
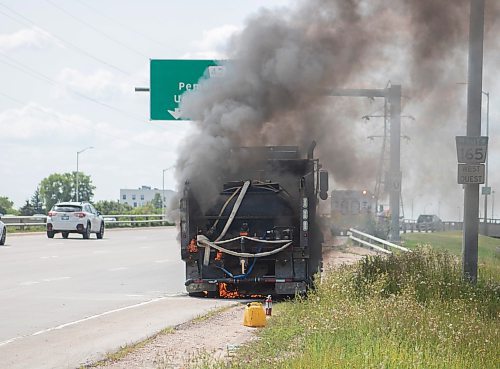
(68, 71)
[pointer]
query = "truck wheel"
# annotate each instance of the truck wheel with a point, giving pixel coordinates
(100, 234)
(4, 235)
(50, 234)
(65, 234)
(86, 232)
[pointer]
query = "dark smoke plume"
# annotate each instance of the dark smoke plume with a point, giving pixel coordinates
(283, 62)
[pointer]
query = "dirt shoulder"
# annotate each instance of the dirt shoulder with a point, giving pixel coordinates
(216, 335)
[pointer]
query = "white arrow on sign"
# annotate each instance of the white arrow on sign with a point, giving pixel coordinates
(175, 113)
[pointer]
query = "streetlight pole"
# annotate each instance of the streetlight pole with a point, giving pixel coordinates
(163, 190)
(487, 94)
(493, 204)
(77, 184)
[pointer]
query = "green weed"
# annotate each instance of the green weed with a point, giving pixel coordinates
(410, 310)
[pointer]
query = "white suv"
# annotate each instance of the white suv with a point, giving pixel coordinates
(3, 232)
(74, 217)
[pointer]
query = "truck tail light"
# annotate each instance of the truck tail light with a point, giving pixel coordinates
(52, 213)
(80, 215)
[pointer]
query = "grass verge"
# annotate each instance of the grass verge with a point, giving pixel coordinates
(403, 311)
(488, 248)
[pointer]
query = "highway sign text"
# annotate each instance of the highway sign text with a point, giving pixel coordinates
(472, 150)
(470, 173)
(169, 79)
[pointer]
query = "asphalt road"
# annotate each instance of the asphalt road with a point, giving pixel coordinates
(67, 302)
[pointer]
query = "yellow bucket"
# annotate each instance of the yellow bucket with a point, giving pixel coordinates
(254, 315)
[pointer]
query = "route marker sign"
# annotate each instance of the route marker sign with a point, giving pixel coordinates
(486, 191)
(169, 79)
(472, 150)
(470, 173)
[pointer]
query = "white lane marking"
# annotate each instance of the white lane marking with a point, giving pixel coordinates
(83, 320)
(134, 295)
(162, 261)
(100, 252)
(55, 279)
(49, 257)
(117, 269)
(28, 283)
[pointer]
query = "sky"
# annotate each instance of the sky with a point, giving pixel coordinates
(68, 72)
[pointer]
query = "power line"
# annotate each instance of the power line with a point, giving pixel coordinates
(135, 142)
(67, 43)
(124, 26)
(34, 73)
(12, 98)
(96, 29)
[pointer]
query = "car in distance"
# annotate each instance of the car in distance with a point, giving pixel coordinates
(429, 222)
(3, 231)
(74, 217)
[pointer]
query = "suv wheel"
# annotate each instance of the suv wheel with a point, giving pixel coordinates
(100, 234)
(86, 232)
(65, 234)
(50, 234)
(4, 235)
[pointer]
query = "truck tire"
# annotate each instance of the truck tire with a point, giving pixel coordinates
(50, 234)
(65, 234)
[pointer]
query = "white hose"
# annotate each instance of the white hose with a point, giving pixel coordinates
(251, 239)
(203, 241)
(235, 210)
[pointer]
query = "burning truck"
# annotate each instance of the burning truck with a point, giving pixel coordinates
(260, 236)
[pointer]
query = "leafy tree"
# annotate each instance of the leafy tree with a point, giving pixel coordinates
(36, 202)
(27, 209)
(62, 187)
(6, 206)
(112, 207)
(157, 201)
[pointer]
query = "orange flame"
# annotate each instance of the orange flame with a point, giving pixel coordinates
(225, 293)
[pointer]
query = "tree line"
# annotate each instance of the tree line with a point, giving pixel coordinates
(62, 187)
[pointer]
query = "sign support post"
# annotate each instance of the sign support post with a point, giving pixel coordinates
(474, 97)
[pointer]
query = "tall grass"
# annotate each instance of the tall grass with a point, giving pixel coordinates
(404, 311)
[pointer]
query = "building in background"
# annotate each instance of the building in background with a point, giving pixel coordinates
(144, 194)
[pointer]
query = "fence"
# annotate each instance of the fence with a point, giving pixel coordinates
(111, 221)
(374, 243)
(410, 226)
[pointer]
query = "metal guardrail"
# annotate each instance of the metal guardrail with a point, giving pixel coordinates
(372, 242)
(110, 220)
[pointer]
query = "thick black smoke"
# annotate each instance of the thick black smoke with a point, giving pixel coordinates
(284, 62)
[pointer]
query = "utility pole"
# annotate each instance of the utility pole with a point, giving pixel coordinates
(392, 94)
(474, 97)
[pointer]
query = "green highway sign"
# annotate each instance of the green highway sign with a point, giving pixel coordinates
(170, 79)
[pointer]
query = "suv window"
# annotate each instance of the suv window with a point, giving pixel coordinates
(424, 219)
(67, 208)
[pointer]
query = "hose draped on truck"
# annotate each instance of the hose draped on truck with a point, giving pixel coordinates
(260, 236)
